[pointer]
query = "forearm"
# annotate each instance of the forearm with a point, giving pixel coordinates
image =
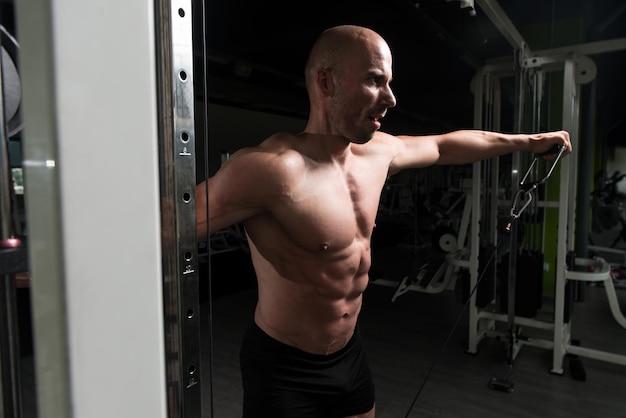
(467, 146)
(462, 147)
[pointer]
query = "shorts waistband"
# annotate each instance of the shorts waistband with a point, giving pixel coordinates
(256, 332)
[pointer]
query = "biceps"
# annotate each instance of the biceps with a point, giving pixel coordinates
(415, 152)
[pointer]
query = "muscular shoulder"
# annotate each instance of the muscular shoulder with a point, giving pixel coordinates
(409, 151)
(273, 162)
(382, 145)
(275, 146)
(281, 155)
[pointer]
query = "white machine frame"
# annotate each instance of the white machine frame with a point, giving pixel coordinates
(577, 69)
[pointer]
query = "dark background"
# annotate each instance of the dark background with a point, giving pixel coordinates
(256, 52)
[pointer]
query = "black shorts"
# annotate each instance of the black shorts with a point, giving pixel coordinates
(281, 381)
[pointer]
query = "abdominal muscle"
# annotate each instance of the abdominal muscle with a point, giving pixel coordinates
(312, 304)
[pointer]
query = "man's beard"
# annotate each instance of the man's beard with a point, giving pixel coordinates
(349, 125)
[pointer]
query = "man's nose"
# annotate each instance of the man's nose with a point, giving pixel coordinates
(390, 99)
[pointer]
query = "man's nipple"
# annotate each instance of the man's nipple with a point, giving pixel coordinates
(324, 246)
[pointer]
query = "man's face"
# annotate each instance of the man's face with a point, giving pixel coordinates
(362, 94)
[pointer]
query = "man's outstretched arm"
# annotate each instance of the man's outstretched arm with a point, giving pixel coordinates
(467, 146)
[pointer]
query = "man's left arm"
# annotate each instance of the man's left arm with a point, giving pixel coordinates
(467, 146)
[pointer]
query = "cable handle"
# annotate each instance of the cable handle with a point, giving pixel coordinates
(556, 149)
(525, 189)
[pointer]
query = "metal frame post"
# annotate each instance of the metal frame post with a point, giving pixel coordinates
(177, 145)
(479, 98)
(561, 329)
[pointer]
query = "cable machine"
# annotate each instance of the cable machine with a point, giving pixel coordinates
(552, 333)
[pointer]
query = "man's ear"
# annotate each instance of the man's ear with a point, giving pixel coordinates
(326, 81)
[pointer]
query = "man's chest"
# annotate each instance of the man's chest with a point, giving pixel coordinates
(331, 209)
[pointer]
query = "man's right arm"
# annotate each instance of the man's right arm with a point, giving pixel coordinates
(238, 191)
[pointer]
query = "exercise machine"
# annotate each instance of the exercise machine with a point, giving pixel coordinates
(577, 69)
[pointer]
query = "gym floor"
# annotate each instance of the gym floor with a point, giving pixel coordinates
(403, 338)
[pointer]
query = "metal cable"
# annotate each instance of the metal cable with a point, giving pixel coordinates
(456, 323)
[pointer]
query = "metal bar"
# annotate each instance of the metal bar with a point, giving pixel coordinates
(6, 230)
(589, 48)
(586, 169)
(573, 128)
(560, 328)
(554, 57)
(497, 110)
(479, 97)
(501, 21)
(597, 354)
(178, 179)
(520, 320)
(515, 171)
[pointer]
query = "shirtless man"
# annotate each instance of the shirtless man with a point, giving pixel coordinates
(308, 203)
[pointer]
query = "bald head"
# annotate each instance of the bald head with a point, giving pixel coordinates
(337, 45)
(348, 76)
